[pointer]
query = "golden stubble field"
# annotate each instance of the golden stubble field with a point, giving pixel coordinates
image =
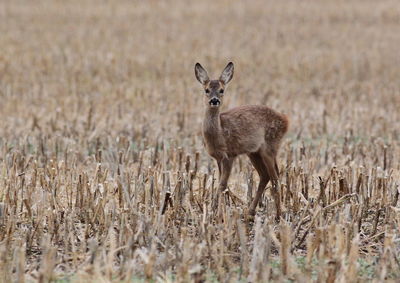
(101, 124)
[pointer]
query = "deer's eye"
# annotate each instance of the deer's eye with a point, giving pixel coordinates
(221, 90)
(207, 90)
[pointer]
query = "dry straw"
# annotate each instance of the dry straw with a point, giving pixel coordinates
(103, 175)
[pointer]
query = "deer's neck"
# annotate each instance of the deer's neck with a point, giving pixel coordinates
(212, 124)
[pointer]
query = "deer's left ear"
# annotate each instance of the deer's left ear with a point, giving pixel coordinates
(227, 73)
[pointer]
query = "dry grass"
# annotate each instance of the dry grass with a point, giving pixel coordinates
(100, 125)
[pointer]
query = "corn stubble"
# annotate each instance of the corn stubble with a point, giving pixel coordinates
(103, 175)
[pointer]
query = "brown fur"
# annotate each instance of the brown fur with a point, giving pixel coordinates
(253, 130)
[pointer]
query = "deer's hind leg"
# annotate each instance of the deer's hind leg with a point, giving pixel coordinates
(258, 163)
(273, 172)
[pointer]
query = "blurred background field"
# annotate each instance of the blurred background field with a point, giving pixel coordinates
(101, 122)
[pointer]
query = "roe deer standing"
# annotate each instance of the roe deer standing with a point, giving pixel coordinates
(253, 130)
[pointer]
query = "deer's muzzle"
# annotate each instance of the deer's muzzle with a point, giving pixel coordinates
(214, 102)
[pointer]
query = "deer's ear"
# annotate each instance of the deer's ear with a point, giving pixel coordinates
(227, 73)
(201, 74)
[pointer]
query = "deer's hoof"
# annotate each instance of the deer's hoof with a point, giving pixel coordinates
(250, 218)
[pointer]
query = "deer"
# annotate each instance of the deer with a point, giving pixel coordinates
(253, 130)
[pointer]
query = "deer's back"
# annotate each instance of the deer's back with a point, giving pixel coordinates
(248, 127)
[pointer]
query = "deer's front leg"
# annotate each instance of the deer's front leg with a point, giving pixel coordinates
(225, 168)
(219, 169)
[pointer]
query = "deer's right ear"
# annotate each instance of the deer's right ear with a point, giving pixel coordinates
(201, 74)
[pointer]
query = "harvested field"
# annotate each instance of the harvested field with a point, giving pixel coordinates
(101, 132)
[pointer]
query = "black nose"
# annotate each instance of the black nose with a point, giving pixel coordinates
(215, 101)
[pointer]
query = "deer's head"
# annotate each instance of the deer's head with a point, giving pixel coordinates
(214, 89)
